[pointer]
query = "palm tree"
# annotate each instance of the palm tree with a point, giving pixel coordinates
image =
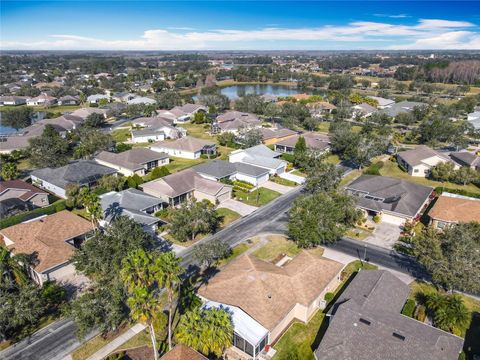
(208, 331)
(171, 271)
(13, 267)
(139, 273)
(92, 205)
(449, 311)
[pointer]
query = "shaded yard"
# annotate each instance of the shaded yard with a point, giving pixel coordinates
(228, 216)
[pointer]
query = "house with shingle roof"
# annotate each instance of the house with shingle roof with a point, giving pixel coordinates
(450, 209)
(218, 170)
(396, 200)
(260, 156)
(12, 100)
(154, 129)
(82, 172)
(184, 185)
(419, 161)
(366, 323)
(466, 158)
(42, 100)
(134, 161)
(85, 112)
(52, 240)
(271, 136)
(234, 121)
(19, 191)
(186, 147)
(132, 203)
(265, 298)
(182, 352)
(315, 142)
(68, 100)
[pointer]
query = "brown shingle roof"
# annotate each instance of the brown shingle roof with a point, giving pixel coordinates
(182, 352)
(47, 237)
(267, 292)
(30, 190)
(453, 209)
(186, 143)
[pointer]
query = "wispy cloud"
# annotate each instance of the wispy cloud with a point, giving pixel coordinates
(425, 34)
(181, 28)
(393, 16)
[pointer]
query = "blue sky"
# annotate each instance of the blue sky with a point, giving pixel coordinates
(212, 25)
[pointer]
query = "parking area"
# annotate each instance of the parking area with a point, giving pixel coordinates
(237, 206)
(385, 234)
(282, 189)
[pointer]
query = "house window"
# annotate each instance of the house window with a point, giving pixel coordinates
(415, 170)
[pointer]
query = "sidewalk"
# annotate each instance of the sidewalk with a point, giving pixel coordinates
(111, 346)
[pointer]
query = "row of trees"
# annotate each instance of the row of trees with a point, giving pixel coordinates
(446, 172)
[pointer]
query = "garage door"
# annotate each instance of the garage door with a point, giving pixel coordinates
(392, 219)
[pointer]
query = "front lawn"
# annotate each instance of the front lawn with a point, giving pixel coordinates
(237, 251)
(358, 234)
(277, 245)
(258, 197)
(282, 181)
(92, 346)
(350, 177)
(177, 164)
(228, 216)
(390, 168)
(121, 135)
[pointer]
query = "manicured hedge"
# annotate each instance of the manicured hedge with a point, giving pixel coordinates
(17, 219)
(439, 190)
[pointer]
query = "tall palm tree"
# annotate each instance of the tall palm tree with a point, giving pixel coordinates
(449, 311)
(13, 267)
(92, 205)
(170, 272)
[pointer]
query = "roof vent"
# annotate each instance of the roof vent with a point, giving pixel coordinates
(398, 336)
(366, 322)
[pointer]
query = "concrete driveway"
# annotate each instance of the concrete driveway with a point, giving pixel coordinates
(237, 206)
(282, 189)
(385, 235)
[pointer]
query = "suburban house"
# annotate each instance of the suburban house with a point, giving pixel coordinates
(271, 136)
(182, 352)
(123, 96)
(141, 100)
(366, 323)
(68, 100)
(265, 298)
(452, 209)
(135, 161)
(223, 170)
(320, 108)
(133, 203)
(382, 102)
(186, 147)
(177, 188)
(260, 156)
(419, 161)
(42, 100)
(82, 172)
(18, 195)
(363, 110)
(182, 114)
(474, 119)
(234, 121)
(95, 99)
(394, 199)
(402, 107)
(12, 100)
(52, 239)
(85, 112)
(466, 158)
(315, 142)
(154, 129)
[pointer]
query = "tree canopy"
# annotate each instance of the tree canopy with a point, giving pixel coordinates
(49, 149)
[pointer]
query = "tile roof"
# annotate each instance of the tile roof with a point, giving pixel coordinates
(367, 324)
(29, 189)
(267, 292)
(186, 143)
(132, 159)
(46, 237)
(395, 195)
(454, 208)
(80, 172)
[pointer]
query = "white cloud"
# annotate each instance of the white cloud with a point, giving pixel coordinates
(427, 34)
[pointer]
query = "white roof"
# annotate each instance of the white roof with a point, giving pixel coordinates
(243, 324)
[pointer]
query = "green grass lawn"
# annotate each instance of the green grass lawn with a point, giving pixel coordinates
(92, 346)
(177, 164)
(141, 339)
(237, 251)
(282, 181)
(276, 245)
(228, 216)
(324, 127)
(333, 159)
(63, 108)
(358, 234)
(121, 135)
(391, 168)
(350, 177)
(264, 196)
(299, 173)
(198, 131)
(299, 340)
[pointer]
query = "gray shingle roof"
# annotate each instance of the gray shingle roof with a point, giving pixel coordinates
(401, 107)
(367, 325)
(466, 158)
(133, 159)
(79, 172)
(129, 203)
(395, 195)
(222, 169)
(416, 156)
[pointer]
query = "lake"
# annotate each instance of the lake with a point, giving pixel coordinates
(235, 91)
(6, 130)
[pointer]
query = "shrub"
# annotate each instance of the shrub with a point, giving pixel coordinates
(409, 308)
(159, 172)
(440, 189)
(374, 169)
(329, 297)
(288, 157)
(377, 218)
(420, 313)
(17, 219)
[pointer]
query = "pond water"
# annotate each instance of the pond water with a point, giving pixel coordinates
(6, 130)
(235, 91)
